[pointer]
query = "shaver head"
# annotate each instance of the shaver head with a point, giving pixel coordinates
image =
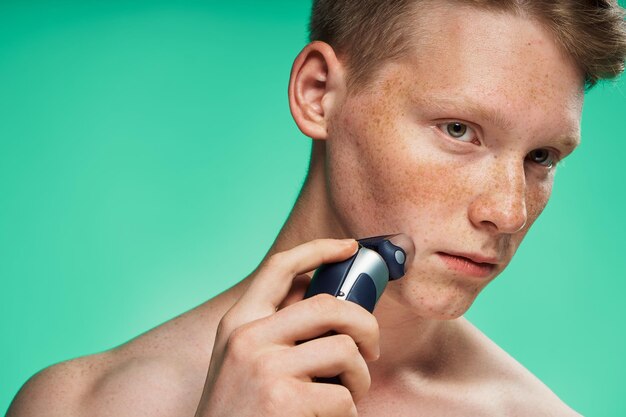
(396, 250)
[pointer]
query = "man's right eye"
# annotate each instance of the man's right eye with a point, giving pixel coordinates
(459, 131)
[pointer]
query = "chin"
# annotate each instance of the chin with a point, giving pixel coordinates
(445, 298)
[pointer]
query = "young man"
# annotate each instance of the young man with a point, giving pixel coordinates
(440, 119)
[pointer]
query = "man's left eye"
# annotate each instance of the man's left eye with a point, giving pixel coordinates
(543, 157)
(459, 131)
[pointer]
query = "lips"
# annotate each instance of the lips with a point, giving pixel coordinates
(479, 259)
(469, 264)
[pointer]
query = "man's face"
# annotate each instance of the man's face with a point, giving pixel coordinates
(453, 146)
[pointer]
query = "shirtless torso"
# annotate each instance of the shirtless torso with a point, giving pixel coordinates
(162, 373)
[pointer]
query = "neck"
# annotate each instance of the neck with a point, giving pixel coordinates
(311, 217)
(408, 343)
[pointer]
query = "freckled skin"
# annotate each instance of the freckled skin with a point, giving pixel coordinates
(390, 168)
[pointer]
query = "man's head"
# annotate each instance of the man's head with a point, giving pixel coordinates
(454, 141)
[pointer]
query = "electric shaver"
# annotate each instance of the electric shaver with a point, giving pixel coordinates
(363, 277)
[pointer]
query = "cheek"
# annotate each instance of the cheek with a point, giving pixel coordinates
(538, 192)
(537, 198)
(385, 180)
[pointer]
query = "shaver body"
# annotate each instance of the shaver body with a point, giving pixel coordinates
(362, 278)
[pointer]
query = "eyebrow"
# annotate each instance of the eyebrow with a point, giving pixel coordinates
(494, 116)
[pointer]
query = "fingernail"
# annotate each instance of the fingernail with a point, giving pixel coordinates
(350, 243)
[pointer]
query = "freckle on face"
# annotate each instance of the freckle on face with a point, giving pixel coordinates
(386, 174)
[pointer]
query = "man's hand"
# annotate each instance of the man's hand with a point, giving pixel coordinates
(259, 368)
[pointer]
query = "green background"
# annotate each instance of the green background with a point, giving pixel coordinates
(144, 144)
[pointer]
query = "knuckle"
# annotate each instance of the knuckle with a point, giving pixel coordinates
(226, 325)
(346, 345)
(240, 343)
(276, 261)
(345, 402)
(324, 304)
(367, 378)
(276, 397)
(318, 244)
(263, 368)
(372, 326)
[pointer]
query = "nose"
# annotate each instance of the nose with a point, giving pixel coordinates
(501, 206)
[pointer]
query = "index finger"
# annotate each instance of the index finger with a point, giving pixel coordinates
(272, 284)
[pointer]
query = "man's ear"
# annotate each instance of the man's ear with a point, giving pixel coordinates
(317, 84)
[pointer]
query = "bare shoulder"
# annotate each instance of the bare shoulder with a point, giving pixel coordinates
(520, 393)
(160, 373)
(58, 389)
(105, 385)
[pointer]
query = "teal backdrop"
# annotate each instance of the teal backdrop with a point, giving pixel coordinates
(148, 159)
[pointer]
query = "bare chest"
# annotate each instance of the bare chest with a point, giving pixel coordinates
(432, 404)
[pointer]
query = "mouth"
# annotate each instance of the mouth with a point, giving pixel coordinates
(475, 266)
